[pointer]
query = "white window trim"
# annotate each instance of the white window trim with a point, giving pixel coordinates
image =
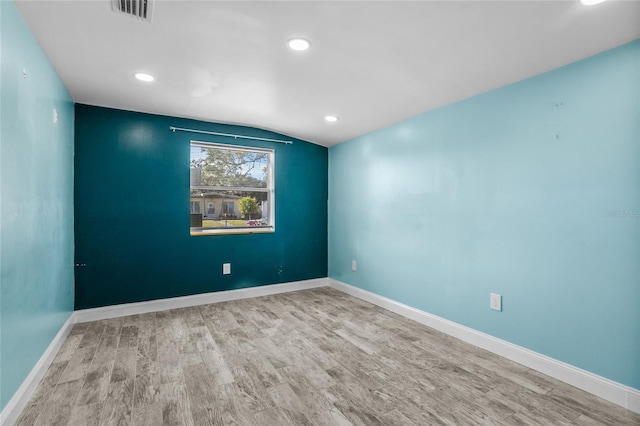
(270, 189)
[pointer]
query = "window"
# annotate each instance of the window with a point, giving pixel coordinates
(236, 186)
(227, 207)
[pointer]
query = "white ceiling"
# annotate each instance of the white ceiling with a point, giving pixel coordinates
(371, 64)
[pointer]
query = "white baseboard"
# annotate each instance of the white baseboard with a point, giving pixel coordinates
(615, 392)
(22, 396)
(607, 389)
(95, 314)
(633, 401)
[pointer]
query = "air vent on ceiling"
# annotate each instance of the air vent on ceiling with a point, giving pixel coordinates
(140, 9)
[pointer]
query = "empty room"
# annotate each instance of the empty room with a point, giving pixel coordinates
(319, 212)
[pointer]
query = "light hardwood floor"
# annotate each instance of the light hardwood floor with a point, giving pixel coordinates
(314, 357)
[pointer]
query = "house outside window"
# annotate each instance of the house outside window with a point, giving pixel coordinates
(232, 187)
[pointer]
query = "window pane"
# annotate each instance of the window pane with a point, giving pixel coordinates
(226, 167)
(231, 187)
(235, 209)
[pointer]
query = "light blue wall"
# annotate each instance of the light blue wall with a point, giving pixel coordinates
(508, 192)
(36, 247)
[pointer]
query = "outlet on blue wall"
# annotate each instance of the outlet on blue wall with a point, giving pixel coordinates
(132, 212)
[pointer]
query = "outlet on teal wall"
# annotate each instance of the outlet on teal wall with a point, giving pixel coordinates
(36, 197)
(531, 191)
(132, 212)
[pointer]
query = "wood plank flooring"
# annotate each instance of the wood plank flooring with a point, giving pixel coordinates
(314, 357)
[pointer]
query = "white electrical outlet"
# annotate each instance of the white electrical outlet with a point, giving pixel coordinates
(226, 268)
(354, 265)
(495, 302)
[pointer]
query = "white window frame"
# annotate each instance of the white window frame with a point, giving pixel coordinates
(270, 190)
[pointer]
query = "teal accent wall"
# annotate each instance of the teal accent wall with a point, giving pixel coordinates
(36, 213)
(531, 191)
(132, 212)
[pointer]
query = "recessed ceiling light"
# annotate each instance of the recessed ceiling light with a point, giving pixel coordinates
(331, 118)
(299, 44)
(590, 2)
(142, 76)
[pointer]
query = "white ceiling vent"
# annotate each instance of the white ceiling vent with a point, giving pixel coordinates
(140, 9)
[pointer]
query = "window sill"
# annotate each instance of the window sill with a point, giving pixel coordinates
(231, 231)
